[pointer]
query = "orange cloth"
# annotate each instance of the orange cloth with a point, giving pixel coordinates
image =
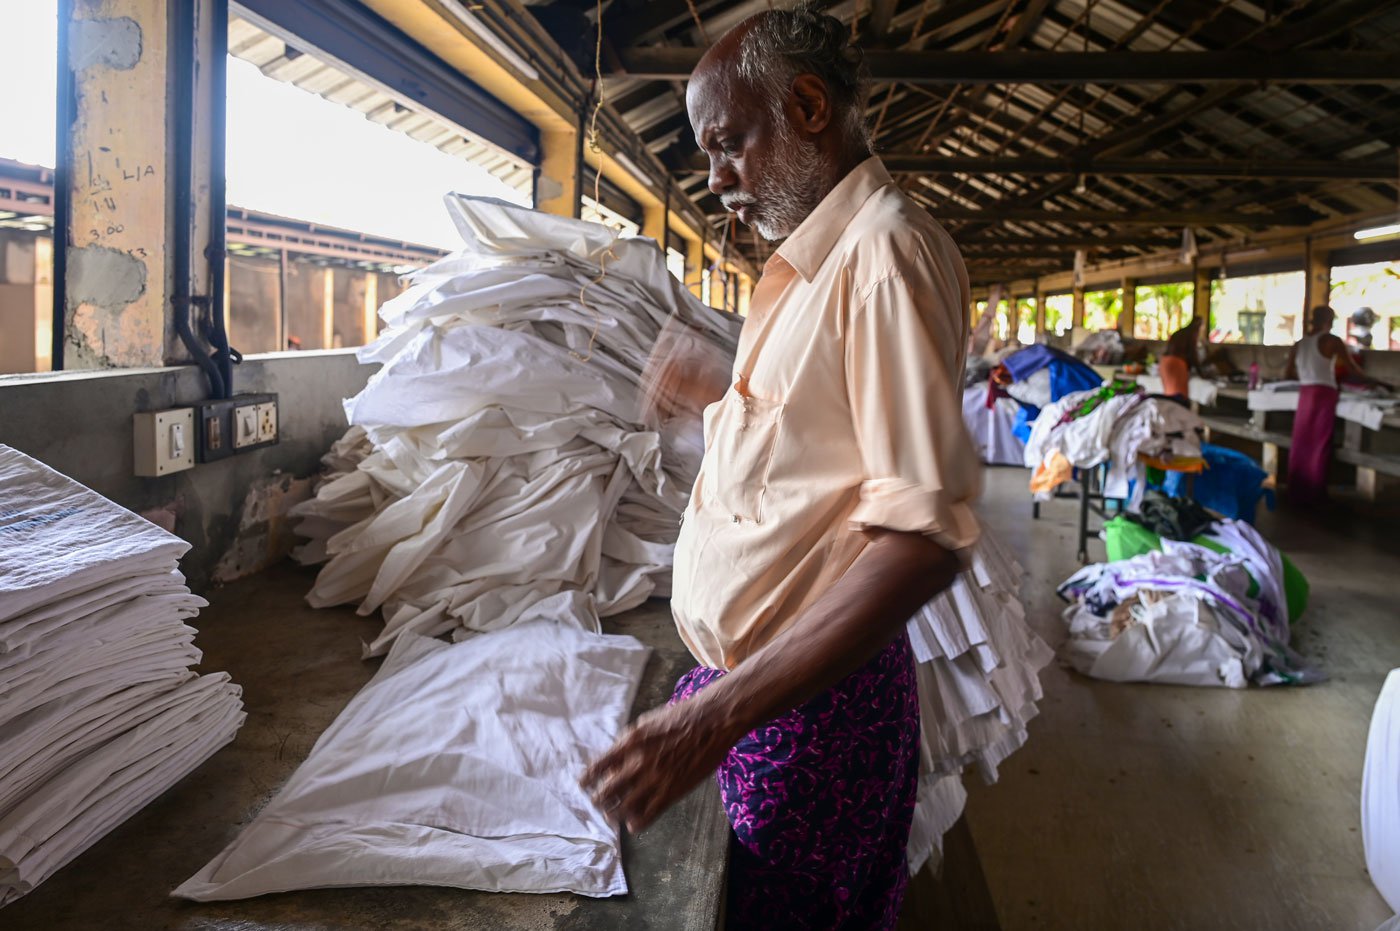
(844, 413)
(1176, 376)
(1052, 473)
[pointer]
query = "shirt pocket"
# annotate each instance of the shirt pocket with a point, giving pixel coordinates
(741, 432)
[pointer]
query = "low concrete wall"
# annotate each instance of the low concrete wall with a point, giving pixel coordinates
(231, 511)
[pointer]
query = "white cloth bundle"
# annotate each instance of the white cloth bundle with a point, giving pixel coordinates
(990, 428)
(1380, 793)
(457, 765)
(99, 711)
(979, 680)
(499, 457)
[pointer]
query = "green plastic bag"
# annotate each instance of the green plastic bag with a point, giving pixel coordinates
(1125, 539)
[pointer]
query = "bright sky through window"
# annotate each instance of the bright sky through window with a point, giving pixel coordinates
(28, 80)
(290, 152)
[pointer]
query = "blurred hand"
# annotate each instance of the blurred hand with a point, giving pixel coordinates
(685, 373)
(657, 761)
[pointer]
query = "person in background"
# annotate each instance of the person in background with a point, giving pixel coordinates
(1314, 361)
(1180, 359)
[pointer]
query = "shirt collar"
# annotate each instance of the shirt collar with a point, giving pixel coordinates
(809, 245)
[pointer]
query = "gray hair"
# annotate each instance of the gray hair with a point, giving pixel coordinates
(782, 44)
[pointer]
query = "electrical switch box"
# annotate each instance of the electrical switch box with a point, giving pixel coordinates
(267, 421)
(236, 425)
(164, 441)
(245, 426)
(213, 428)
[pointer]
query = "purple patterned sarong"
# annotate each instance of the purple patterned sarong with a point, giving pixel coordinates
(820, 801)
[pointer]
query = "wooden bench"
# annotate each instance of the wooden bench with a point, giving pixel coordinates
(1369, 468)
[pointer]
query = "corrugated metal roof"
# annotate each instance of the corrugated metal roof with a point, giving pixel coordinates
(1146, 121)
(273, 58)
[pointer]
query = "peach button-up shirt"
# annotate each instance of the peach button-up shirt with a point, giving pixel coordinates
(844, 413)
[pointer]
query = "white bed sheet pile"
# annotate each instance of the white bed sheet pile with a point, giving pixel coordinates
(1193, 622)
(505, 421)
(99, 710)
(991, 427)
(457, 765)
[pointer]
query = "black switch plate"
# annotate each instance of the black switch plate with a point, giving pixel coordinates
(213, 430)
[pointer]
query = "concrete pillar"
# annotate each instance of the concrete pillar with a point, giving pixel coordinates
(1200, 295)
(24, 286)
(1127, 317)
(328, 308)
(654, 224)
(117, 284)
(694, 265)
(1077, 318)
(557, 183)
(371, 313)
(1317, 286)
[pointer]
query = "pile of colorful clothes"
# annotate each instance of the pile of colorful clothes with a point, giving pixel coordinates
(1034, 378)
(1213, 611)
(1115, 424)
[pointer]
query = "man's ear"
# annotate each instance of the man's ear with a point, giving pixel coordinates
(813, 102)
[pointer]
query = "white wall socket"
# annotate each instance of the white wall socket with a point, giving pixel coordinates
(164, 441)
(267, 422)
(245, 425)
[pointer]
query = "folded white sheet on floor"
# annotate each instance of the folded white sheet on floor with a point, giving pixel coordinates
(99, 711)
(457, 765)
(1380, 793)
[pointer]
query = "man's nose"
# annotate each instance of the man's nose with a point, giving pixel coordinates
(722, 176)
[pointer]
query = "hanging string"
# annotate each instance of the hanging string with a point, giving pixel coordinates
(699, 24)
(600, 98)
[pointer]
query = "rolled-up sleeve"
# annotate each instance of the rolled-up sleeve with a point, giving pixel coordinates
(903, 349)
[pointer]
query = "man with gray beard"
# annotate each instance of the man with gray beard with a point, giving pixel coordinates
(834, 498)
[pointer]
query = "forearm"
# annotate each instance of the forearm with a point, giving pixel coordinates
(857, 617)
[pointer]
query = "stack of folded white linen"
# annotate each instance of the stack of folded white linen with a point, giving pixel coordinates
(1120, 430)
(99, 710)
(500, 457)
(1187, 615)
(979, 680)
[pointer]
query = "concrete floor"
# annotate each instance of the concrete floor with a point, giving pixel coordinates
(1164, 807)
(1150, 807)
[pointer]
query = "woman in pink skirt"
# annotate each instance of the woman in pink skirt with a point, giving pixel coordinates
(1314, 362)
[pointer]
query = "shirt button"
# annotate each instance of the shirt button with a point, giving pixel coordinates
(736, 518)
